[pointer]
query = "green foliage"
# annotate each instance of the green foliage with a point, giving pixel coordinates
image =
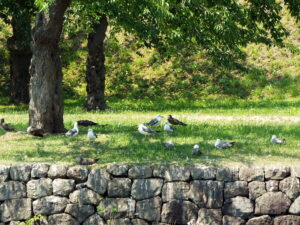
(33, 220)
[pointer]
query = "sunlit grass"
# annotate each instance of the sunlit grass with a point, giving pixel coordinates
(119, 140)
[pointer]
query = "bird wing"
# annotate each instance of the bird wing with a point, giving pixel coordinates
(152, 122)
(148, 130)
(71, 132)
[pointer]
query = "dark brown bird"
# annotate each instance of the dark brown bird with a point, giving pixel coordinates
(36, 131)
(174, 121)
(85, 161)
(6, 126)
(86, 123)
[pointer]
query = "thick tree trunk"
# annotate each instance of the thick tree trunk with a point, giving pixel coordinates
(95, 68)
(46, 101)
(20, 56)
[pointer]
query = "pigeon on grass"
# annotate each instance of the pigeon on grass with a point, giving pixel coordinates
(170, 144)
(196, 150)
(91, 135)
(146, 130)
(223, 144)
(174, 121)
(156, 121)
(168, 127)
(276, 140)
(74, 131)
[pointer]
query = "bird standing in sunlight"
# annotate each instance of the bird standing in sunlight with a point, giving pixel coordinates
(74, 131)
(156, 121)
(91, 135)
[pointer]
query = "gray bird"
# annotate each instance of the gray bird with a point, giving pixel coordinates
(146, 130)
(74, 131)
(155, 121)
(196, 150)
(223, 144)
(276, 140)
(170, 144)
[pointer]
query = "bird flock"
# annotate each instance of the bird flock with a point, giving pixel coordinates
(143, 128)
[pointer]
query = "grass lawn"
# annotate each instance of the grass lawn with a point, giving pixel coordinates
(249, 123)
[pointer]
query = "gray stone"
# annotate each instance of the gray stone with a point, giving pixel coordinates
(85, 196)
(261, 220)
(290, 186)
(49, 205)
(119, 187)
(140, 172)
(178, 212)
(79, 174)
(175, 190)
(272, 185)
(295, 207)
(226, 174)
(80, 212)
(207, 193)
(57, 171)
(238, 207)
(39, 188)
(139, 222)
(172, 173)
(209, 216)
(231, 220)
(98, 180)
(146, 188)
(287, 220)
(80, 186)
(149, 209)
(117, 170)
(116, 208)
(12, 190)
(4, 173)
(203, 173)
(15, 209)
(94, 220)
(20, 172)
(295, 171)
(39, 170)
(63, 187)
(62, 219)
(277, 173)
(236, 188)
(272, 203)
(125, 221)
(251, 174)
(256, 189)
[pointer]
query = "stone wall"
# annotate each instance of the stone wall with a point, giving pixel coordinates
(141, 195)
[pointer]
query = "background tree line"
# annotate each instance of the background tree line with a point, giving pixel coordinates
(178, 29)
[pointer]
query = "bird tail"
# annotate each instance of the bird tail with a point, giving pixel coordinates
(183, 124)
(232, 143)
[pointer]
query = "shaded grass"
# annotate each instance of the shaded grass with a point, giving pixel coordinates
(124, 144)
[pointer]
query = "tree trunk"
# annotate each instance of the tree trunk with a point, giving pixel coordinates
(95, 68)
(46, 101)
(19, 58)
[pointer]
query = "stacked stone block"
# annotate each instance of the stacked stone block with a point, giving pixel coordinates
(149, 195)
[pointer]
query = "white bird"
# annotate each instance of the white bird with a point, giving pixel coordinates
(170, 144)
(223, 144)
(146, 130)
(74, 131)
(276, 140)
(91, 135)
(196, 150)
(155, 121)
(168, 127)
